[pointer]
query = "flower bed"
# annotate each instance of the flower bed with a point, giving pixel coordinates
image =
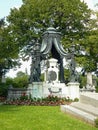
(48, 101)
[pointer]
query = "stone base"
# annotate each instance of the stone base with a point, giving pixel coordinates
(73, 90)
(56, 89)
(36, 90)
(43, 89)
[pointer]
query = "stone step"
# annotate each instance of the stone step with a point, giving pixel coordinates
(86, 108)
(89, 98)
(89, 118)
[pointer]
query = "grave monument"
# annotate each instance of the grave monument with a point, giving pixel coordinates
(51, 51)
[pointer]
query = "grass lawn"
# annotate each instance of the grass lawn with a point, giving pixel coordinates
(38, 118)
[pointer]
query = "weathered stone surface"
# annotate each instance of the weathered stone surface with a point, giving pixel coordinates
(86, 109)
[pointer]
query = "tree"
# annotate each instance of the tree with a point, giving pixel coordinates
(90, 44)
(20, 74)
(72, 18)
(29, 21)
(8, 50)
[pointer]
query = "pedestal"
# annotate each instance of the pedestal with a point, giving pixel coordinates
(55, 89)
(36, 89)
(73, 90)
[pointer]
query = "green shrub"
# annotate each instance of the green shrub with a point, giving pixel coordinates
(9, 81)
(83, 81)
(97, 89)
(66, 75)
(24, 97)
(96, 122)
(20, 82)
(76, 99)
(3, 89)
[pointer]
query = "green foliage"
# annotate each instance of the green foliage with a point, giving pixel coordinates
(33, 17)
(20, 74)
(66, 74)
(97, 85)
(17, 82)
(72, 18)
(76, 99)
(91, 57)
(21, 81)
(27, 24)
(8, 49)
(83, 81)
(24, 97)
(96, 89)
(51, 100)
(42, 77)
(3, 90)
(96, 122)
(9, 81)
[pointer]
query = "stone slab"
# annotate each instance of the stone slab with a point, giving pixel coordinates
(89, 98)
(89, 118)
(86, 107)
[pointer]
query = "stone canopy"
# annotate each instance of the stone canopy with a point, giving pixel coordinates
(51, 45)
(51, 40)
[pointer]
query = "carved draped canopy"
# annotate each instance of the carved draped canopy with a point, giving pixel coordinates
(51, 44)
(51, 38)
